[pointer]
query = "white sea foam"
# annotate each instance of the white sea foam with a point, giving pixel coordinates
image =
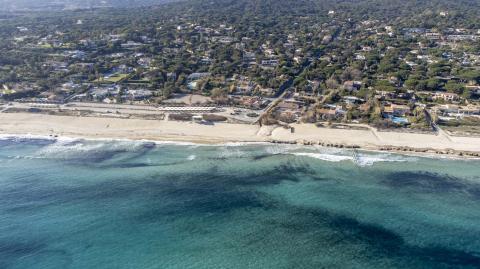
(325, 153)
(361, 160)
(175, 143)
(63, 148)
(232, 152)
(191, 157)
(27, 157)
(26, 136)
(67, 147)
(366, 160)
(240, 144)
(324, 156)
(275, 149)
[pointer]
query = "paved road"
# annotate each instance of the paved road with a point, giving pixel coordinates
(125, 110)
(287, 84)
(435, 127)
(271, 106)
(282, 91)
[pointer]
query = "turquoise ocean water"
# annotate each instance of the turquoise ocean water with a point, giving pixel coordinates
(104, 204)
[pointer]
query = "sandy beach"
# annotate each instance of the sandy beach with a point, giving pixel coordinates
(138, 129)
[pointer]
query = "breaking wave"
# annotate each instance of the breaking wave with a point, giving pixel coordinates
(361, 159)
(100, 149)
(74, 148)
(324, 156)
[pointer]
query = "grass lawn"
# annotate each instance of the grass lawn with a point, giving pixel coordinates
(112, 79)
(45, 46)
(137, 81)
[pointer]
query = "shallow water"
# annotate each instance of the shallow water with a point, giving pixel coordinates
(94, 204)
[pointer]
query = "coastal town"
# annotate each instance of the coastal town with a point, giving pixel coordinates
(329, 70)
(239, 134)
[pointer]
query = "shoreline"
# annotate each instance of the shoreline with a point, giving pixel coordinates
(410, 153)
(99, 128)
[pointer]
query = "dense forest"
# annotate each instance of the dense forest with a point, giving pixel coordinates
(49, 5)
